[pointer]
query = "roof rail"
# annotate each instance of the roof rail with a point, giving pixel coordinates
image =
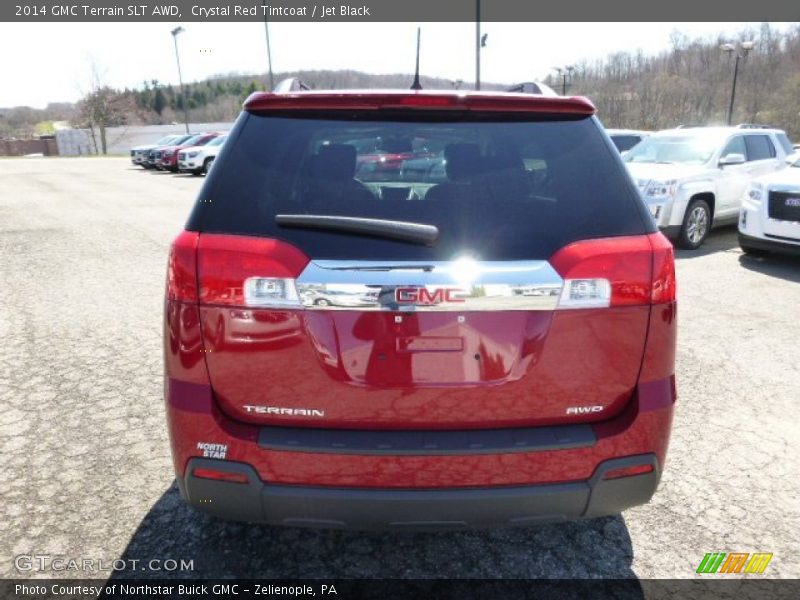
(754, 126)
(533, 87)
(290, 84)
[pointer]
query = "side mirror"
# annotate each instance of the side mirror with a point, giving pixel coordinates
(793, 158)
(731, 159)
(623, 153)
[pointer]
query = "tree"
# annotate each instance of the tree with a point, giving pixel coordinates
(159, 102)
(102, 108)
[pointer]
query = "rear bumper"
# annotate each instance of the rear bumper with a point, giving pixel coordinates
(364, 487)
(306, 506)
(770, 245)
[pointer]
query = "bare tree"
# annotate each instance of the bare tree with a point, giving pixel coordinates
(103, 107)
(690, 82)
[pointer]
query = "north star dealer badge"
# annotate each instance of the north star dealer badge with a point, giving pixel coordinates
(212, 450)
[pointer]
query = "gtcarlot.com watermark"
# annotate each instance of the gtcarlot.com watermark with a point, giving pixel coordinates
(61, 564)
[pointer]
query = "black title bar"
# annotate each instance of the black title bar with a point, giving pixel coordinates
(105, 11)
(741, 588)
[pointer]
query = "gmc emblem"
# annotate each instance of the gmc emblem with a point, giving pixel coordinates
(425, 297)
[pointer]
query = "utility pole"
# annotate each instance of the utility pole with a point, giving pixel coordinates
(175, 32)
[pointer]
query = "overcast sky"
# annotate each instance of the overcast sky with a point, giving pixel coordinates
(50, 62)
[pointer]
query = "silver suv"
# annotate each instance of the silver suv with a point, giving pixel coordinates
(694, 178)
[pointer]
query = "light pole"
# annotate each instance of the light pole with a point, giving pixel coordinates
(269, 52)
(478, 44)
(175, 32)
(565, 73)
(741, 54)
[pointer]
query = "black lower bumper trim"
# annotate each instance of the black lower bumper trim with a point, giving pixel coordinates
(367, 508)
(773, 245)
(426, 443)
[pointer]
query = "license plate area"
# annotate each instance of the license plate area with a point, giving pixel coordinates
(430, 344)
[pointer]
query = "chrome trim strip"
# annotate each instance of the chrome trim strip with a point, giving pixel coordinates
(453, 286)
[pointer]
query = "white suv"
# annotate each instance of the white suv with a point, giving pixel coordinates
(694, 178)
(197, 159)
(770, 216)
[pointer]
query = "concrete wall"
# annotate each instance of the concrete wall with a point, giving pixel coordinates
(78, 142)
(74, 142)
(121, 139)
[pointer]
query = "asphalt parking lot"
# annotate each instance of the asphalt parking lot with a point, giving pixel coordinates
(86, 469)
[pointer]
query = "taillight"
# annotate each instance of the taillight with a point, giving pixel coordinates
(220, 475)
(664, 286)
(620, 271)
(181, 268)
(628, 471)
(248, 271)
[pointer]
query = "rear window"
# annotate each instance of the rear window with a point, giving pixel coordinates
(625, 142)
(496, 189)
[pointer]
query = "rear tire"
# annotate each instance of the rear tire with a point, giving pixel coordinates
(696, 225)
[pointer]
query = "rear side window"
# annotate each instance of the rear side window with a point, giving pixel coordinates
(496, 190)
(783, 140)
(759, 147)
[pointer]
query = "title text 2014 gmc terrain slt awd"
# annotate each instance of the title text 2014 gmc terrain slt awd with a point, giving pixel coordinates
(497, 343)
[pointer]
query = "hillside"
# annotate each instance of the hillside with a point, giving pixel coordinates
(689, 83)
(219, 98)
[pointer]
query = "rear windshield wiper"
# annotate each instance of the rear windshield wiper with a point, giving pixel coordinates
(416, 233)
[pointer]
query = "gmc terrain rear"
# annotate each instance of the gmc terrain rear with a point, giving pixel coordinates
(416, 309)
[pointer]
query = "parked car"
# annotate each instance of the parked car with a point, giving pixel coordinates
(166, 157)
(342, 298)
(625, 139)
(500, 351)
(139, 154)
(693, 179)
(197, 159)
(770, 217)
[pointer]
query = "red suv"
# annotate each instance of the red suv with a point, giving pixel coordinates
(497, 340)
(167, 156)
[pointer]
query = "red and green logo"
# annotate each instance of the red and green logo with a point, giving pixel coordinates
(734, 562)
